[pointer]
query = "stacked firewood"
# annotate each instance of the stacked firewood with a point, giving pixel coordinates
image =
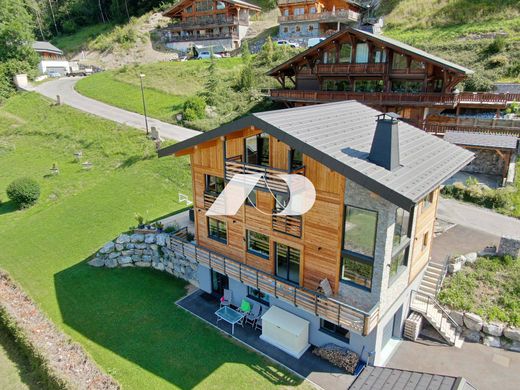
(340, 357)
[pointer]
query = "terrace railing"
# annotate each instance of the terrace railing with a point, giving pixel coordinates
(350, 68)
(445, 100)
(327, 308)
(288, 224)
(442, 128)
(271, 179)
(322, 16)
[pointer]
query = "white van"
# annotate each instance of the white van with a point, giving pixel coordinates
(314, 41)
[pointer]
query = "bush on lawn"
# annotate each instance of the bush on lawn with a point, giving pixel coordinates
(481, 195)
(24, 192)
(194, 108)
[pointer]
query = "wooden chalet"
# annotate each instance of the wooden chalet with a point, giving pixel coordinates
(347, 267)
(310, 18)
(392, 77)
(208, 23)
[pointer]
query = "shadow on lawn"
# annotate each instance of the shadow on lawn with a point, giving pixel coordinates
(7, 207)
(131, 312)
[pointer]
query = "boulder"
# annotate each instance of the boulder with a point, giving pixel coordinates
(142, 264)
(512, 346)
(491, 341)
(471, 336)
(107, 248)
(158, 266)
(125, 260)
(140, 246)
(454, 267)
(471, 257)
(97, 262)
(111, 263)
(512, 333)
(137, 237)
(458, 317)
(146, 258)
(113, 255)
(161, 239)
(149, 239)
(493, 328)
(127, 265)
(123, 239)
(154, 247)
(473, 322)
(120, 247)
(127, 253)
(129, 246)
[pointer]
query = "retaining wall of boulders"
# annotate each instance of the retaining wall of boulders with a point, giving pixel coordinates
(146, 250)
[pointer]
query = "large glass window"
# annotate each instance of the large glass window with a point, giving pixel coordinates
(257, 149)
(287, 263)
(214, 184)
(361, 53)
(399, 61)
(368, 86)
(336, 85)
(398, 261)
(417, 65)
(402, 221)
(379, 56)
(329, 56)
(335, 330)
(356, 270)
(360, 231)
(257, 243)
(345, 53)
(217, 230)
(258, 295)
(204, 5)
(407, 86)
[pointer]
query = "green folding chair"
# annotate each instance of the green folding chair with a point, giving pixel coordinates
(245, 306)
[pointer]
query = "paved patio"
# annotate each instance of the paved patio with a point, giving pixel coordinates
(309, 366)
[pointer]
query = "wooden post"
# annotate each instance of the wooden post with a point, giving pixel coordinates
(58, 100)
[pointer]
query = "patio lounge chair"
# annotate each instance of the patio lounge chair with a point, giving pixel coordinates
(226, 299)
(258, 324)
(253, 315)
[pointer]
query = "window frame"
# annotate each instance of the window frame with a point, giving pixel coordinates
(288, 260)
(217, 237)
(334, 333)
(292, 153)
(254, 251)
(207, 179)
(259, 160)
(349, 251)
(265, 302)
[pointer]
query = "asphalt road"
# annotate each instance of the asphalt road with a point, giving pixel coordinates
(478, 218)
(65, 88)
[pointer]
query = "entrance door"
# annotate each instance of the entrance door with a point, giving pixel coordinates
(219, 283)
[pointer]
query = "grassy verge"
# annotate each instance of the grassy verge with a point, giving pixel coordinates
(125, 318)
(490, 288)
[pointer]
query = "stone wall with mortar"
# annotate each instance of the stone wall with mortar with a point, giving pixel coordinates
(509, 246)
(486, 161)
(146, 250)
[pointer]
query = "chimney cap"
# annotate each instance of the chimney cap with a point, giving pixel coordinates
(391, 116)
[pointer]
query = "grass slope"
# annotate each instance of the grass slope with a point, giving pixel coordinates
(461, 31)
(125, 318)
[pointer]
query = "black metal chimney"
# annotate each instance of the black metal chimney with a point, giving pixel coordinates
(385, 145)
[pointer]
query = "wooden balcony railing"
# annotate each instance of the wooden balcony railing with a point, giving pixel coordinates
(350, 68)
(435, 99)
(206, 22)
(329, 309)
(442, 128)
(321, 16)
(288, 224)
(209, 198)
(270, 179)
(182, 38)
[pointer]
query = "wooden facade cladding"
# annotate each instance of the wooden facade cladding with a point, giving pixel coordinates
(423, 235)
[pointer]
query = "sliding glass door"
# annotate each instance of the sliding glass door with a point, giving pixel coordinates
(257, 149)
(287, 263)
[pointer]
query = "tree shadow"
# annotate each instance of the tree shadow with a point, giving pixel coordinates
(7, 207)
(130, 161)
(132, 312)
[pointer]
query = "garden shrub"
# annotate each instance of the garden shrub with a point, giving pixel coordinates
(24, 192)
(480, 195)
(194, 108)
(498, 45)
(498, 60)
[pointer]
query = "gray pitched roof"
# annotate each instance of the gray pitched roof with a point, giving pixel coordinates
(380, 378)
(486, 140)
(339, 135)
(46, 46)
(507, 87)
(400, 46)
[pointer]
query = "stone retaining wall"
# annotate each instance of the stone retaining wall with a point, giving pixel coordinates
(146, 250)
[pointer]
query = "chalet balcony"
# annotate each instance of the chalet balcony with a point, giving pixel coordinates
(270, 180)
(288, 224)
(439, 128)
(187, 38)
(208, 22)
(335, 69)
(327, 16)
(328, 308)
(287, 2)
(492, 100)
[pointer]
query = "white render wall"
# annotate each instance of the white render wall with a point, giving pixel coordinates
(44, 64)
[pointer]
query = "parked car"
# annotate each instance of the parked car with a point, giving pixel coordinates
(204, 55)
(282, 42)
(54, 74)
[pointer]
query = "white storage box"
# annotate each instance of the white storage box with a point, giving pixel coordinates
(286, 331)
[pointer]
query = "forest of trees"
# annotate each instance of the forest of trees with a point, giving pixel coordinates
(55, 17)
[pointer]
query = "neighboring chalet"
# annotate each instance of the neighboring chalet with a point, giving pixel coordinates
(392, 77)
(346, 268)
(51, 58)
(309, 18)
(208, 23)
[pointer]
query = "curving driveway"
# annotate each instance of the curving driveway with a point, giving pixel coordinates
(65, 88)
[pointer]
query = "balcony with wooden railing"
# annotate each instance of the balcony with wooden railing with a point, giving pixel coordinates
(326, 16)
(209, 199)
(334, 69)
(288, 224)
(270, 176)
(328, 308)
(441, 129)
(496, 100)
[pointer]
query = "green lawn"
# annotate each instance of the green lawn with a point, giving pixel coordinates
(73, 43)
(125, 318)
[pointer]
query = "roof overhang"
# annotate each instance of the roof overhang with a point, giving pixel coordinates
(180, 5)
(321, 157)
